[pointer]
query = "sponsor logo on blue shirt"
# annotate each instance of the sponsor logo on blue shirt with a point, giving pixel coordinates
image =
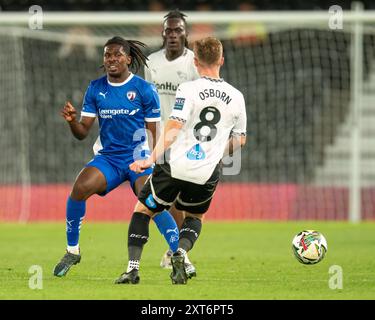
(109, 113)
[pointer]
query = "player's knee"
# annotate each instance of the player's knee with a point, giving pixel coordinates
(82, 190)
(193, 215)
(140, 207)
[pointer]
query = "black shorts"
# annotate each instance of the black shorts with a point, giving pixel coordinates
(161, 190)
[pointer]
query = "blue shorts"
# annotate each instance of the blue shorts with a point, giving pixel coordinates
(116, 170)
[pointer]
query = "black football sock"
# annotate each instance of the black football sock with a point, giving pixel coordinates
(138, 234)
(189, 233)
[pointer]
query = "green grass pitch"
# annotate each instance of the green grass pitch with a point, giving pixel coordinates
(234, 261)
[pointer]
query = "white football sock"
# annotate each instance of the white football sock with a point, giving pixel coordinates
(132, 264)
(73, 249)
(181, 251)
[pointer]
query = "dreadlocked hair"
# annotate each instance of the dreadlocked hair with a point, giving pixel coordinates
(176, 14)
(133, 49)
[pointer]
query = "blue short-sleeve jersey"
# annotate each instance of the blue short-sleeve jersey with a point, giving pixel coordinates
(122, 110)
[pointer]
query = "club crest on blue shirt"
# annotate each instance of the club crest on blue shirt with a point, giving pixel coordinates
(131, 95)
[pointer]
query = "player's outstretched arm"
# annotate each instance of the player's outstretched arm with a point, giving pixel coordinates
(153, 133)
(169, 135)
(80, 129)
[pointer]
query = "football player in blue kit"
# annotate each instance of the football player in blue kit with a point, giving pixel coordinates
(125, 105)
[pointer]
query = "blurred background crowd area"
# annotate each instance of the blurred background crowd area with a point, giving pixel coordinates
(188, 5)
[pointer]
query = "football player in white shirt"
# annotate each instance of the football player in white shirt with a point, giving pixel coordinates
(167, 69)
(206, 113)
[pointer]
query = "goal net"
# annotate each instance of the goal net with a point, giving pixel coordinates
(297, 79)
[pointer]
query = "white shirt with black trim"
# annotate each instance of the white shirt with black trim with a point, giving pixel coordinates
(212, 110)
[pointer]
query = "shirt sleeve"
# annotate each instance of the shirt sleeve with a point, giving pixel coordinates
(241, 119)
(151, 104)
(89, 105)
(182, 105)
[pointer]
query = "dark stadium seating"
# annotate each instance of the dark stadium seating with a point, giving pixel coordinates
(110, 5)
(290, 111)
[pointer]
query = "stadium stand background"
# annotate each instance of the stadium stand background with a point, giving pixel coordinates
(293, 161)
(286, 141)
(109, 5)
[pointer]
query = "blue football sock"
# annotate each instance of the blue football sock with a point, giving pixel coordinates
(168, 228)
(75, 211)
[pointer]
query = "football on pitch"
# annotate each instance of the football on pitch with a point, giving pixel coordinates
(309, 246)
